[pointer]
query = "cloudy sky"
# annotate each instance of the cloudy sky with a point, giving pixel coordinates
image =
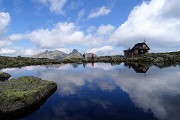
(104, 27)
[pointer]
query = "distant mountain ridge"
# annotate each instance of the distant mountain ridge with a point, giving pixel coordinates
(74, 54)
(58, 55)
(51, 55)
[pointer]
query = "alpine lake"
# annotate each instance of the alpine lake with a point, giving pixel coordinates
(105, 91)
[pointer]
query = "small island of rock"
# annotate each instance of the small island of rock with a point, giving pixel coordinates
(23, 93)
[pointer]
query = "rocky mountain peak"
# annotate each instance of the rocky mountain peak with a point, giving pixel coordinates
(74, 54)
(51, 54)
(74, 51)
(46, 51)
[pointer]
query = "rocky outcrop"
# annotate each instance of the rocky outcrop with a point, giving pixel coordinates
(23, 93)
(4, 76)
(74, 55)
(51, 55)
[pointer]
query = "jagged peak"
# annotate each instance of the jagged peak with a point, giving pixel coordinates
(75, 51)
(46, 51)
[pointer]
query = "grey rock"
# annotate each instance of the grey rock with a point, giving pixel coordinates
(74, 55)
(74, 51)
(21, 94)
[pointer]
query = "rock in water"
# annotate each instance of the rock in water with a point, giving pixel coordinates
(23, 93)
(4, 76)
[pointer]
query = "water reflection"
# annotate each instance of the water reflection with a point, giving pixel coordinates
(138, 68)
(105, 92)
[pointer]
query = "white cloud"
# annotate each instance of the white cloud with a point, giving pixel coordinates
(91, 29)
(80, 14)
(105, 29)
(4, 43)
(171, 9)
(55, 6)
(4, 21)
(6, 51)
(103, 66)
(28, 52)
(157, 21)
(61, 35)
(15, 37)
(65, 50)
(153, 21)
(99, 12)
(101, 51)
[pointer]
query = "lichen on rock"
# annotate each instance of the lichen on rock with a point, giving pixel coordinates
(4, 76)
(24, 92)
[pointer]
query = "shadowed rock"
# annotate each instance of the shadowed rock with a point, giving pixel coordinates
(4, 76)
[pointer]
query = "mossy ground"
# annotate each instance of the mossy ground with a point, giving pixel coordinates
(24, 61)
(23, 92)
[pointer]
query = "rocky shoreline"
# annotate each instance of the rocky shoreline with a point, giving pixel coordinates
(154, 58)
(22, 95)
(9, 62)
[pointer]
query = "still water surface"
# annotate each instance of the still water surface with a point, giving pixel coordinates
(102, 91)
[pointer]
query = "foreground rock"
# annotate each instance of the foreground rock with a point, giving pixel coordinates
(4, 76)
(22, 94)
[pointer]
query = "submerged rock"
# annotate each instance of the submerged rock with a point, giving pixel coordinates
(4, 76)
(23, 93)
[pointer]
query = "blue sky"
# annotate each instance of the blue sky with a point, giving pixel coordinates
(104, 27)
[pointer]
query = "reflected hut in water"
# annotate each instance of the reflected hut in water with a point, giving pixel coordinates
(138, 68)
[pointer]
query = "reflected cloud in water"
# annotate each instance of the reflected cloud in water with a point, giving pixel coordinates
(102, 87)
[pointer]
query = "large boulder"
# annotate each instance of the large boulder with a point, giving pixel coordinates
(23, 93)
(4, 76)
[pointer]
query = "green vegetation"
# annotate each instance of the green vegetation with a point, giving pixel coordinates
(23, 92)
(24, 61)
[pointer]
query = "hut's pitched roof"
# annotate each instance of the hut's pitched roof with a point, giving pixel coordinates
(142, 46)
